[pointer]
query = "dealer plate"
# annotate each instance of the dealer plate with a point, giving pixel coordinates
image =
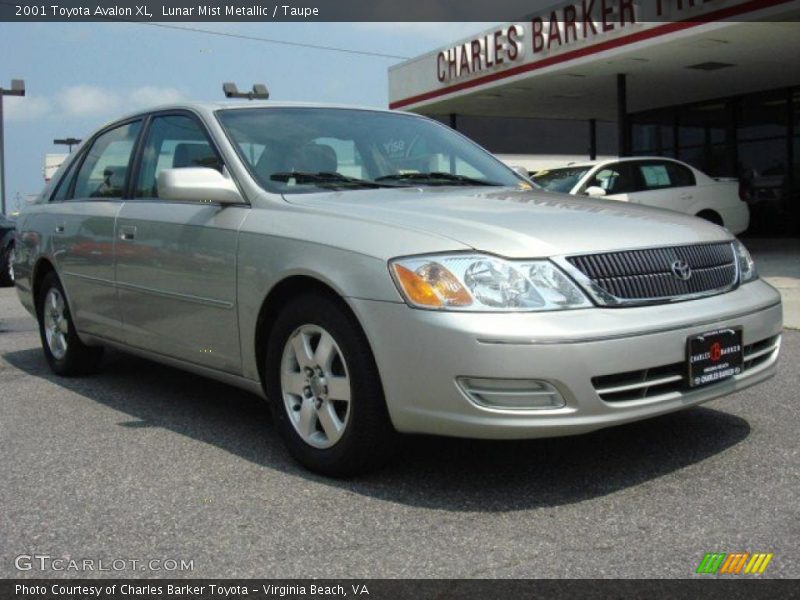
(714, 355)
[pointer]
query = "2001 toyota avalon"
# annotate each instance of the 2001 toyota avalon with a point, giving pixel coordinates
(372, 272)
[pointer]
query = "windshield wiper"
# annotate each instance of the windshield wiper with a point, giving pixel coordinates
(326, 178)
(436, 178)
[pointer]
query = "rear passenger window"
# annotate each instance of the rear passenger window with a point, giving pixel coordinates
(680, 175)
(655, 176)
(62, 189)
(173, 142)
(103, 172)
(665, 174)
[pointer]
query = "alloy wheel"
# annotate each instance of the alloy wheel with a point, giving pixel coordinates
(56, 323)
(315, 386)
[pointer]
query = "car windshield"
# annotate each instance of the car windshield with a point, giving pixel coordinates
(297, 150)
(560, 180)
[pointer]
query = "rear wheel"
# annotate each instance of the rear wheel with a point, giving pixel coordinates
(327, 395)
(6, 267)
(65, 352)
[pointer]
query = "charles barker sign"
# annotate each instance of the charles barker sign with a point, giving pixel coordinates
(563, 28)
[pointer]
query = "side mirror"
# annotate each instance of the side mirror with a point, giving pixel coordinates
(198, 184)
(595, 191)
(522, 171)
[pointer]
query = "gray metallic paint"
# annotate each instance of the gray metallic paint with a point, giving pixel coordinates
(189, 289)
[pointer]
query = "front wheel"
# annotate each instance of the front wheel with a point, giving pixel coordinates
(65, 352)
(323, 381)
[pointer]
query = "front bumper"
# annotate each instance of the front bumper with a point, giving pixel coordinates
(420, 354)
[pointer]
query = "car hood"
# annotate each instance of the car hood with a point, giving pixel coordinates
(516, 223)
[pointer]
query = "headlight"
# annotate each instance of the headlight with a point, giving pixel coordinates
(484, 283)
(747, 267)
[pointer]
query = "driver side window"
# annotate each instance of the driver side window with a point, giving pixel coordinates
(173, 142)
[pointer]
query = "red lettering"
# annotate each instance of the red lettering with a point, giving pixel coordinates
(627, 14)
(498, 47)
(441, 72)
(537, 37)
(555, 33)
(477, 63)
(464, 60)
(452, 65)
(588, 21)
(570, 17)
(606, 11)
(514, 45)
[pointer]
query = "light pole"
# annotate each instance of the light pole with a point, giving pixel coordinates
(70, 141)
(17, 89)
(259, 92)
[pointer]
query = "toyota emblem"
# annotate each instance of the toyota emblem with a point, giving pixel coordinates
(681, 269)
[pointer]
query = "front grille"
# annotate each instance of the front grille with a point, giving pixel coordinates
(669, 379)
(646, 275)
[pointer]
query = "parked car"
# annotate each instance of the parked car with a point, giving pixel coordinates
(374, 273)
(7, 229)
(659, 182)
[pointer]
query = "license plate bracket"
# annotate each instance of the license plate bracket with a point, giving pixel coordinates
(714, 355)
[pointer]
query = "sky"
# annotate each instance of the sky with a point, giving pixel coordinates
(80, 75)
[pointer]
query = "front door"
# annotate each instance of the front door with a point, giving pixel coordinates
(176, 261)
(619, 180)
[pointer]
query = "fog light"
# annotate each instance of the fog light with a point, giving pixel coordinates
(515, 394)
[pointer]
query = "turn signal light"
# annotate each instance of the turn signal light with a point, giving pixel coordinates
(432, 286)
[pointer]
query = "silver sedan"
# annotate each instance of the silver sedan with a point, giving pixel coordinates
(373, 273)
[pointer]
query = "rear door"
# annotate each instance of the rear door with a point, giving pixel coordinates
(176, 261)
(81, 217)
(665, 184)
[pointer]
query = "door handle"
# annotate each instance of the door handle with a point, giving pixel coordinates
(127, 233)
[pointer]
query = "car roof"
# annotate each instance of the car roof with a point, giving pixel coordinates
(594, 163)
(210, 107)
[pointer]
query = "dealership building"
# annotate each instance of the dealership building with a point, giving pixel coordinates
(714, 83)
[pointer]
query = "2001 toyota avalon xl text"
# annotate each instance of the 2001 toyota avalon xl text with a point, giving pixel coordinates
(372, 272)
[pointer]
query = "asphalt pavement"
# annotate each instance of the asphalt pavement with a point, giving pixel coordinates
(143, 462)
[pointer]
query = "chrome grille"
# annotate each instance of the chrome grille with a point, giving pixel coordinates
(646, 275)
(664, 380)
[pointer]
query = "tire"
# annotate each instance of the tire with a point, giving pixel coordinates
(711, 216)
(66, 354)
(323, 432)
(6, 271)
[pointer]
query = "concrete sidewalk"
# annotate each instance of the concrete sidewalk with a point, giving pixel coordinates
(778, 263)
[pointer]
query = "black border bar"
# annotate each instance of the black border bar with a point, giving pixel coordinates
(386, 10)
(708, 587)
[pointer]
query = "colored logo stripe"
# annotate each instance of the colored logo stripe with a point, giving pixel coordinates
(758, 563)
(723, 563)
(711, 562)
(734, 562)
